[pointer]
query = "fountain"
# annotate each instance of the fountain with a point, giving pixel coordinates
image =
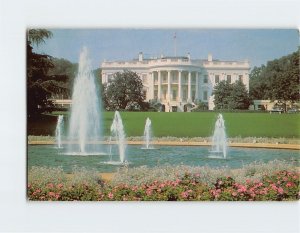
(117, 131)
(59, 130)
(147, 134)
(85, 128)
(219, 141)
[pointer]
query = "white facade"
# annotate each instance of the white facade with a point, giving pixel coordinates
(178, 82)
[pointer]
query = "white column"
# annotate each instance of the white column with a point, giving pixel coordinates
(169, 86)
(197, 86)
(179, 86)
(151, 86)
(159, 86)
(189, 87)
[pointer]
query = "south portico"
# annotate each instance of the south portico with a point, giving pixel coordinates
(175, 87)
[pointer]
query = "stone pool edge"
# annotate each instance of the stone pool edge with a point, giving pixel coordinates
(185, 143)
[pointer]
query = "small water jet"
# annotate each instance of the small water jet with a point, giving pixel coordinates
(59, 131)
(219, 140)
(147, 135)
(117, 132)
(85, 118)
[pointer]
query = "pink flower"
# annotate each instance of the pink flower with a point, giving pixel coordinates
(50, 185)
(234, 194)
(60, 186)
(280, 190)
(197, 174)
(51, 194)
(162, 185)
(289, 184)
(57, 196)
(110, 195)
(149, 192)
(184, 194)
(242, 189)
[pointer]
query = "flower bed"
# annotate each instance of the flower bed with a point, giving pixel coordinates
(278, 186)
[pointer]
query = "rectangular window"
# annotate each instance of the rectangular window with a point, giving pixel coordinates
(228, 78)
(205, 95)
(164, 79)
(144, 78)
(240, 77)
(205, 80)
(156, 94)
(193, 95)
(217, 78)
(174, 96)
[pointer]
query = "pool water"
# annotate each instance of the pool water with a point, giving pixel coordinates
(48, 155)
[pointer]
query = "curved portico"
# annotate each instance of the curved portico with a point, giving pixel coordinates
(175, 87)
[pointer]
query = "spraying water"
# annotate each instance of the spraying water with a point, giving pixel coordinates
(117, 131)
(59, 130)
(85, 115)
(147, 134)
(219, 140)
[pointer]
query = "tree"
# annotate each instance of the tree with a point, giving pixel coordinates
(37, 67)
(124, 91)
(221, 93)
(231, 96)
(239, 98)
(278, 80)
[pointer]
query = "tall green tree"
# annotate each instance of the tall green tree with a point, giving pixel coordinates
(37, 67)
(278, 80)
(231, 96)
(124, 91)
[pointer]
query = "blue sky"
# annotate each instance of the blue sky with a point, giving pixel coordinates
(256, 45)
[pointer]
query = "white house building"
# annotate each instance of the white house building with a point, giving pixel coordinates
(179, 82)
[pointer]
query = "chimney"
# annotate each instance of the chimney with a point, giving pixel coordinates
(209, 58)
(141, 56)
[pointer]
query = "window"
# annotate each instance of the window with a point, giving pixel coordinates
(184, 94)
(164, 79)
(217, 78)
(174, 96)
(193, 95)
(205, 80)
(229, 78)
(240, 77)
(156, 94)
(144, 78)
(144, 93)
(205, 95)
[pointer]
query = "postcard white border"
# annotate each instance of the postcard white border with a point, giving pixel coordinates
(18, 215)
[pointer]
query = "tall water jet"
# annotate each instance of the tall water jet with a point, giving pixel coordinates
(85, 115)
(59, 130)
(147, 134)
(219, 140)
(117, 131)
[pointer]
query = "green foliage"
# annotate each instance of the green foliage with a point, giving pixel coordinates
(278, 80)
(278, 186)
(231, 96)
(37, 67)
(124, 92)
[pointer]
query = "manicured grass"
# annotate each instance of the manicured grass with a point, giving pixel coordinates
(200, 124)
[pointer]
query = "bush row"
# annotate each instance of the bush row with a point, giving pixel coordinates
(279, 186)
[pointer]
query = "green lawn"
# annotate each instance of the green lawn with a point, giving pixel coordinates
(201, 124)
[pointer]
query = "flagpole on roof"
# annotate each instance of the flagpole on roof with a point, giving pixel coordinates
(175, 49)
